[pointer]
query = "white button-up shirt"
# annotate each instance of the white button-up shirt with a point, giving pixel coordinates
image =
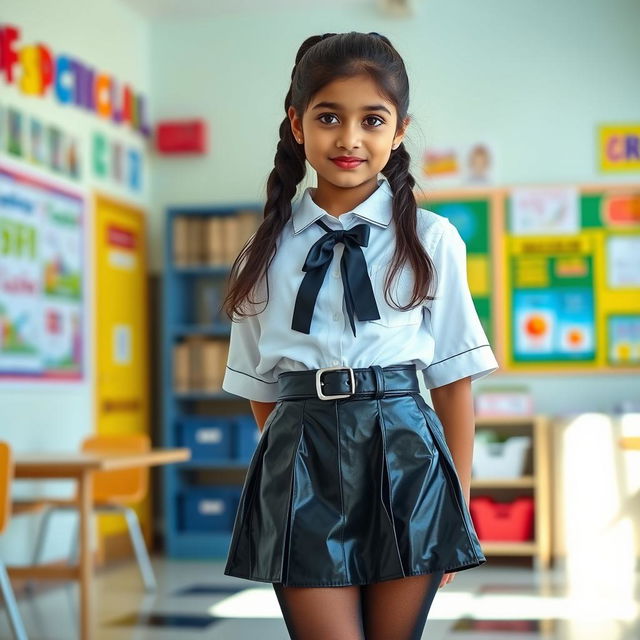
(443, 338)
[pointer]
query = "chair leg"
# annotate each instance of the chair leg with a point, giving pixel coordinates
(38, 549)
(12, 606)
(140, 549)
(73, 547)
(42, 536)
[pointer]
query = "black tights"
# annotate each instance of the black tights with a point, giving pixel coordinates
(387, 610)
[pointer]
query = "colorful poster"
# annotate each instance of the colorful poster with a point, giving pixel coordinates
(554, 325)
(471, 219)
(623, 261)
(624, 339)
(544, 211)
(41, 280)
(572, 297)
(454, 165)
(619, 147)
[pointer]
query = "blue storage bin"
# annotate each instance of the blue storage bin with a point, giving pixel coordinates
(247, 436)
(208, 437)
(209, 508)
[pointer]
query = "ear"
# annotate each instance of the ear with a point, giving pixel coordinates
(399, 137)
(296, 125)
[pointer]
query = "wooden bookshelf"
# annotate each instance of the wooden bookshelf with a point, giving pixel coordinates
(201, 244)
(535, 482)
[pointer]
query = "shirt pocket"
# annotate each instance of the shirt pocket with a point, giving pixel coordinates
(400, 291)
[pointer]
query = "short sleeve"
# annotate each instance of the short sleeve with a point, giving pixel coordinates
(241, 377)
(461, 345)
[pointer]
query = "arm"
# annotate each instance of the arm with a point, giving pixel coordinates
(261, 411)
(453, 403)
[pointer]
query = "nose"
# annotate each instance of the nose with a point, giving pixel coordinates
(349, 137)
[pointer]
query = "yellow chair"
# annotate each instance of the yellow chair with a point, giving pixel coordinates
(6, 477)
(113, 492)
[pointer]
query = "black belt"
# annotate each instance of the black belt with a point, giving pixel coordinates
(331, 383)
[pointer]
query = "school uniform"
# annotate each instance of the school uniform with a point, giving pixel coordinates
(352, 481)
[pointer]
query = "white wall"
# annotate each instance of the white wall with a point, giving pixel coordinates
(534, 77)
(114, 39)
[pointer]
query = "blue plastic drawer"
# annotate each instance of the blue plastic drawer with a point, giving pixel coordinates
(208, 437)
(247, 436)
(209, 508)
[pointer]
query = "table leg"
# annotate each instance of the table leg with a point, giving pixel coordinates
(85, 491)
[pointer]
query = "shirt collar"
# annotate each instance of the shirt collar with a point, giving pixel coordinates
(376, 208)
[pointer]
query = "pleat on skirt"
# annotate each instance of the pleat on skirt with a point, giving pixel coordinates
(351, 491)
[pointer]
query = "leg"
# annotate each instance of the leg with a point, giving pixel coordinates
(140, 549)
(15, 621)
(38, 551)
(321, 613)
(85, 572)
(398, 609)
(73, 549)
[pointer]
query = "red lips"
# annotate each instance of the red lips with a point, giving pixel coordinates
(347, 162)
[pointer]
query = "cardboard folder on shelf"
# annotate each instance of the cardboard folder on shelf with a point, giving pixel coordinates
(181, 367)
(181, 241)
(215, 240)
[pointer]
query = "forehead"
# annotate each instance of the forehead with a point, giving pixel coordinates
(357, 93)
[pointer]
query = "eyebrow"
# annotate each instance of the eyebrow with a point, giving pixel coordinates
(335, 105)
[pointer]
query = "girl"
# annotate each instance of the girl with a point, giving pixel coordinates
(353, 483)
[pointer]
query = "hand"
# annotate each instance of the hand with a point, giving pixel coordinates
(446, 578)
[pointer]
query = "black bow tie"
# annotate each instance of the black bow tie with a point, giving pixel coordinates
(358, 292)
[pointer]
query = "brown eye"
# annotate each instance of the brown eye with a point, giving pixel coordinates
(326, 115)
(375, 118)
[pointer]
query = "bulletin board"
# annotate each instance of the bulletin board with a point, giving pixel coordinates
(573, 295)
(471, 211)
(563, 300)
(42, 262)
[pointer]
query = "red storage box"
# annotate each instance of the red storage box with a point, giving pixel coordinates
(504, 521)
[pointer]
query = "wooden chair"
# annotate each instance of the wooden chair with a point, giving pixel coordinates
(6, 477)
(113, 492)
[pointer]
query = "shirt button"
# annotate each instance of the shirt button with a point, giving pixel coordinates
(335, 273)
(336, 362)
(336, 316)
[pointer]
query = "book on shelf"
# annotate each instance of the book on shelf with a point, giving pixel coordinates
(181, 367)
(199, 364)
(213, 240)
(209, 295)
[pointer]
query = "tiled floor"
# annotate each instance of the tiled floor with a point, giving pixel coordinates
(195, 600)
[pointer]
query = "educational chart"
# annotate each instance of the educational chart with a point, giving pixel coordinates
(41, 280)
(471, 215)
(572, 278)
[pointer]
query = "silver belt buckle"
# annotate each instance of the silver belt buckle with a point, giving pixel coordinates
(322, 396)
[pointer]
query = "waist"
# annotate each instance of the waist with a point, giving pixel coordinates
(333, 383)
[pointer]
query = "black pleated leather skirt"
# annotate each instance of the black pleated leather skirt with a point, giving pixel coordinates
(351, 490)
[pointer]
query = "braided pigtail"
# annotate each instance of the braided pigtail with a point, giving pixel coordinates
(288, 171)
(320, 60)
(397, 172)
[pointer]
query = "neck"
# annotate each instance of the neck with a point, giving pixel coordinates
(338, 200)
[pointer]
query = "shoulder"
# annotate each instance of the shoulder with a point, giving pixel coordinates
(434, 228)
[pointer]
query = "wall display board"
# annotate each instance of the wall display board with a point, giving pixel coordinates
(572, 278)
(42, 262)
(471, 211)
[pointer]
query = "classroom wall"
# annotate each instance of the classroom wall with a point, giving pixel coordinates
(113, 38)
(526, 75)
(535, 78)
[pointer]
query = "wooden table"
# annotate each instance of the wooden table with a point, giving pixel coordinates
(81, 467)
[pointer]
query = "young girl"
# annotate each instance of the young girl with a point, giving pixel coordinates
(353, 483)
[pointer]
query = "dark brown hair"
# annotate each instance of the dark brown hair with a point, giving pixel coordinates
(321, 60)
